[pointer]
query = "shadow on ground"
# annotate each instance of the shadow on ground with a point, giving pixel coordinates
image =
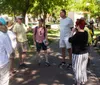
(42, 75)
(53, 75)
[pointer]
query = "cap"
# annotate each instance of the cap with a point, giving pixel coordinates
(2, 21)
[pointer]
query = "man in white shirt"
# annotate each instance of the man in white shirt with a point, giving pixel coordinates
(5, 51)
(66, 25)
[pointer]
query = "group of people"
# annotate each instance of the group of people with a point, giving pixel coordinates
(12, 36)
(75, 40)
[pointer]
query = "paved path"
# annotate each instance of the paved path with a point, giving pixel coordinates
(42, 75)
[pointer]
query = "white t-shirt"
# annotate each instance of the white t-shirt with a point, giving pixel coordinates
(65, 27)
(12, 37)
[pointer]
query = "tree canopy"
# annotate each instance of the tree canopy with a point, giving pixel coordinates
(38, 7)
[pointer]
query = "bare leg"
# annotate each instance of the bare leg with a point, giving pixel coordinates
(11, 64)
(63, 63)
(70, 58)
(70, 54)
(46, 55)
(22, 57)
(63, 54)
(39, 54)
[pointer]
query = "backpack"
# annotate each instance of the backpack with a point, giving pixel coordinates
(37, 28)
(89, 35)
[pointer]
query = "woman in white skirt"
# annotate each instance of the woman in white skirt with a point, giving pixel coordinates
(79, 53)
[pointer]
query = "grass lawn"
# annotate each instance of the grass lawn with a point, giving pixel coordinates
(52, 33)
(96, 32)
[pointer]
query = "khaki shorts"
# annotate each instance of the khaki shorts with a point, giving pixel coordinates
(22, 47)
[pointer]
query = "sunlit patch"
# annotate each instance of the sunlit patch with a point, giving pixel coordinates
(69, 75)
(57, 84)
(30, 55)
(43, 84)
(19, 79)
(52, 54)
(49, 50)
(56, 81)
(34, 72)
(60, 57)
(29, 80)
(23, 70)
(25, 82)
(58, 54)
(28, 63)
(54, 84)
(67, 57)
(35, 77)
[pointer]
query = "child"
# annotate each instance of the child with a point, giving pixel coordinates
(40, 40)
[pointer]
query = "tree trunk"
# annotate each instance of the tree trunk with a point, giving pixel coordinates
(27, 5)
(44, 17)
(24, 15)
(14, 16)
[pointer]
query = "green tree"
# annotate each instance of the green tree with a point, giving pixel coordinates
(86, 5)
(38, 7)
(46, 6)
(16, 6)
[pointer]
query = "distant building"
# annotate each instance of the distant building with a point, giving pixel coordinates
(76, 15)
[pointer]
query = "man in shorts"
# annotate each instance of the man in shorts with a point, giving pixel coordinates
(66, 25)
(22, 44)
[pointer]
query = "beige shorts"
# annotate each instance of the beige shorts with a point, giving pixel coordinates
(22, 47)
